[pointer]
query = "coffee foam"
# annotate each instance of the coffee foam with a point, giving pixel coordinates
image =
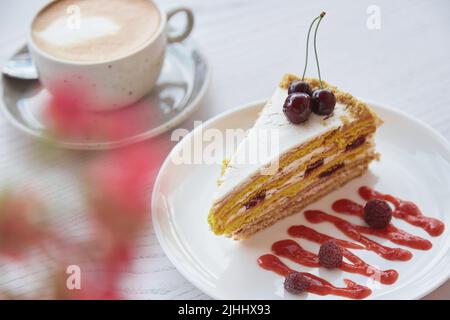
(106, 29)
(59, 33)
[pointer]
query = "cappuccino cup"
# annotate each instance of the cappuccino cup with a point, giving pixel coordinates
(111, 50)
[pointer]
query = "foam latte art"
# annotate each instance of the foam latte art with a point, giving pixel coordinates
(99, 30)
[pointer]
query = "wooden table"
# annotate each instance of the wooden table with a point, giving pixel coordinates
(404, 64)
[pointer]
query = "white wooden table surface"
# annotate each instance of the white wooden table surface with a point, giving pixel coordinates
(250, 44)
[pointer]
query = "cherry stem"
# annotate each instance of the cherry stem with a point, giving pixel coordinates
(307, 46)
(315, 46)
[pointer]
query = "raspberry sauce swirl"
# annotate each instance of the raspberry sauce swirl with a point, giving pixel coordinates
(404, 210)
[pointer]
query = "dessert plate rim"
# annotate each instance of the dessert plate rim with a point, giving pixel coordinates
(442, 273)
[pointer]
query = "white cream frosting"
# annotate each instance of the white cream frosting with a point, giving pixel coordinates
(273, 124)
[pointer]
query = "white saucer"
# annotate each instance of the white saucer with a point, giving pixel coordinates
(415, 165)
(182, 83)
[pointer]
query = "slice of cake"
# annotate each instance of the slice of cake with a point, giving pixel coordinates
(312, 159)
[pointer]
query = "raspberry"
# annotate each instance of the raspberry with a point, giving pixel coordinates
(330, 254)
(377, 214)
(296, 283)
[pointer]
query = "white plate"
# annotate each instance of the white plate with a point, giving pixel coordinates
(415, 165)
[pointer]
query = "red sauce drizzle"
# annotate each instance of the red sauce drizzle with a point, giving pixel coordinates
(407, 211)
(293, 251)
(354, 232)
(317, 285)
(404, 210)
(315, 236)
(391, 233)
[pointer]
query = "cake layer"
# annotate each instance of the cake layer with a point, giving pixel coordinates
(340, 138)
(301, 163)
(292, 205)
(304, 175)
(293, 188)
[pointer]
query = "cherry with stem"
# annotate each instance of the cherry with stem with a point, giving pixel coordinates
(323, 100)
(301, 100)
(301, 86)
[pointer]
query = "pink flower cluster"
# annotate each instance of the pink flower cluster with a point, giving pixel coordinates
(118, 185)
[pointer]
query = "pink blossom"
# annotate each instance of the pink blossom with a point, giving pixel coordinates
(20, 228)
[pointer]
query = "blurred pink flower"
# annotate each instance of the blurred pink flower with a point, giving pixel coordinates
(21, 225)
(117, 183)
(69, 116)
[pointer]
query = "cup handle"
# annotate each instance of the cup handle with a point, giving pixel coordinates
(180, 36)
